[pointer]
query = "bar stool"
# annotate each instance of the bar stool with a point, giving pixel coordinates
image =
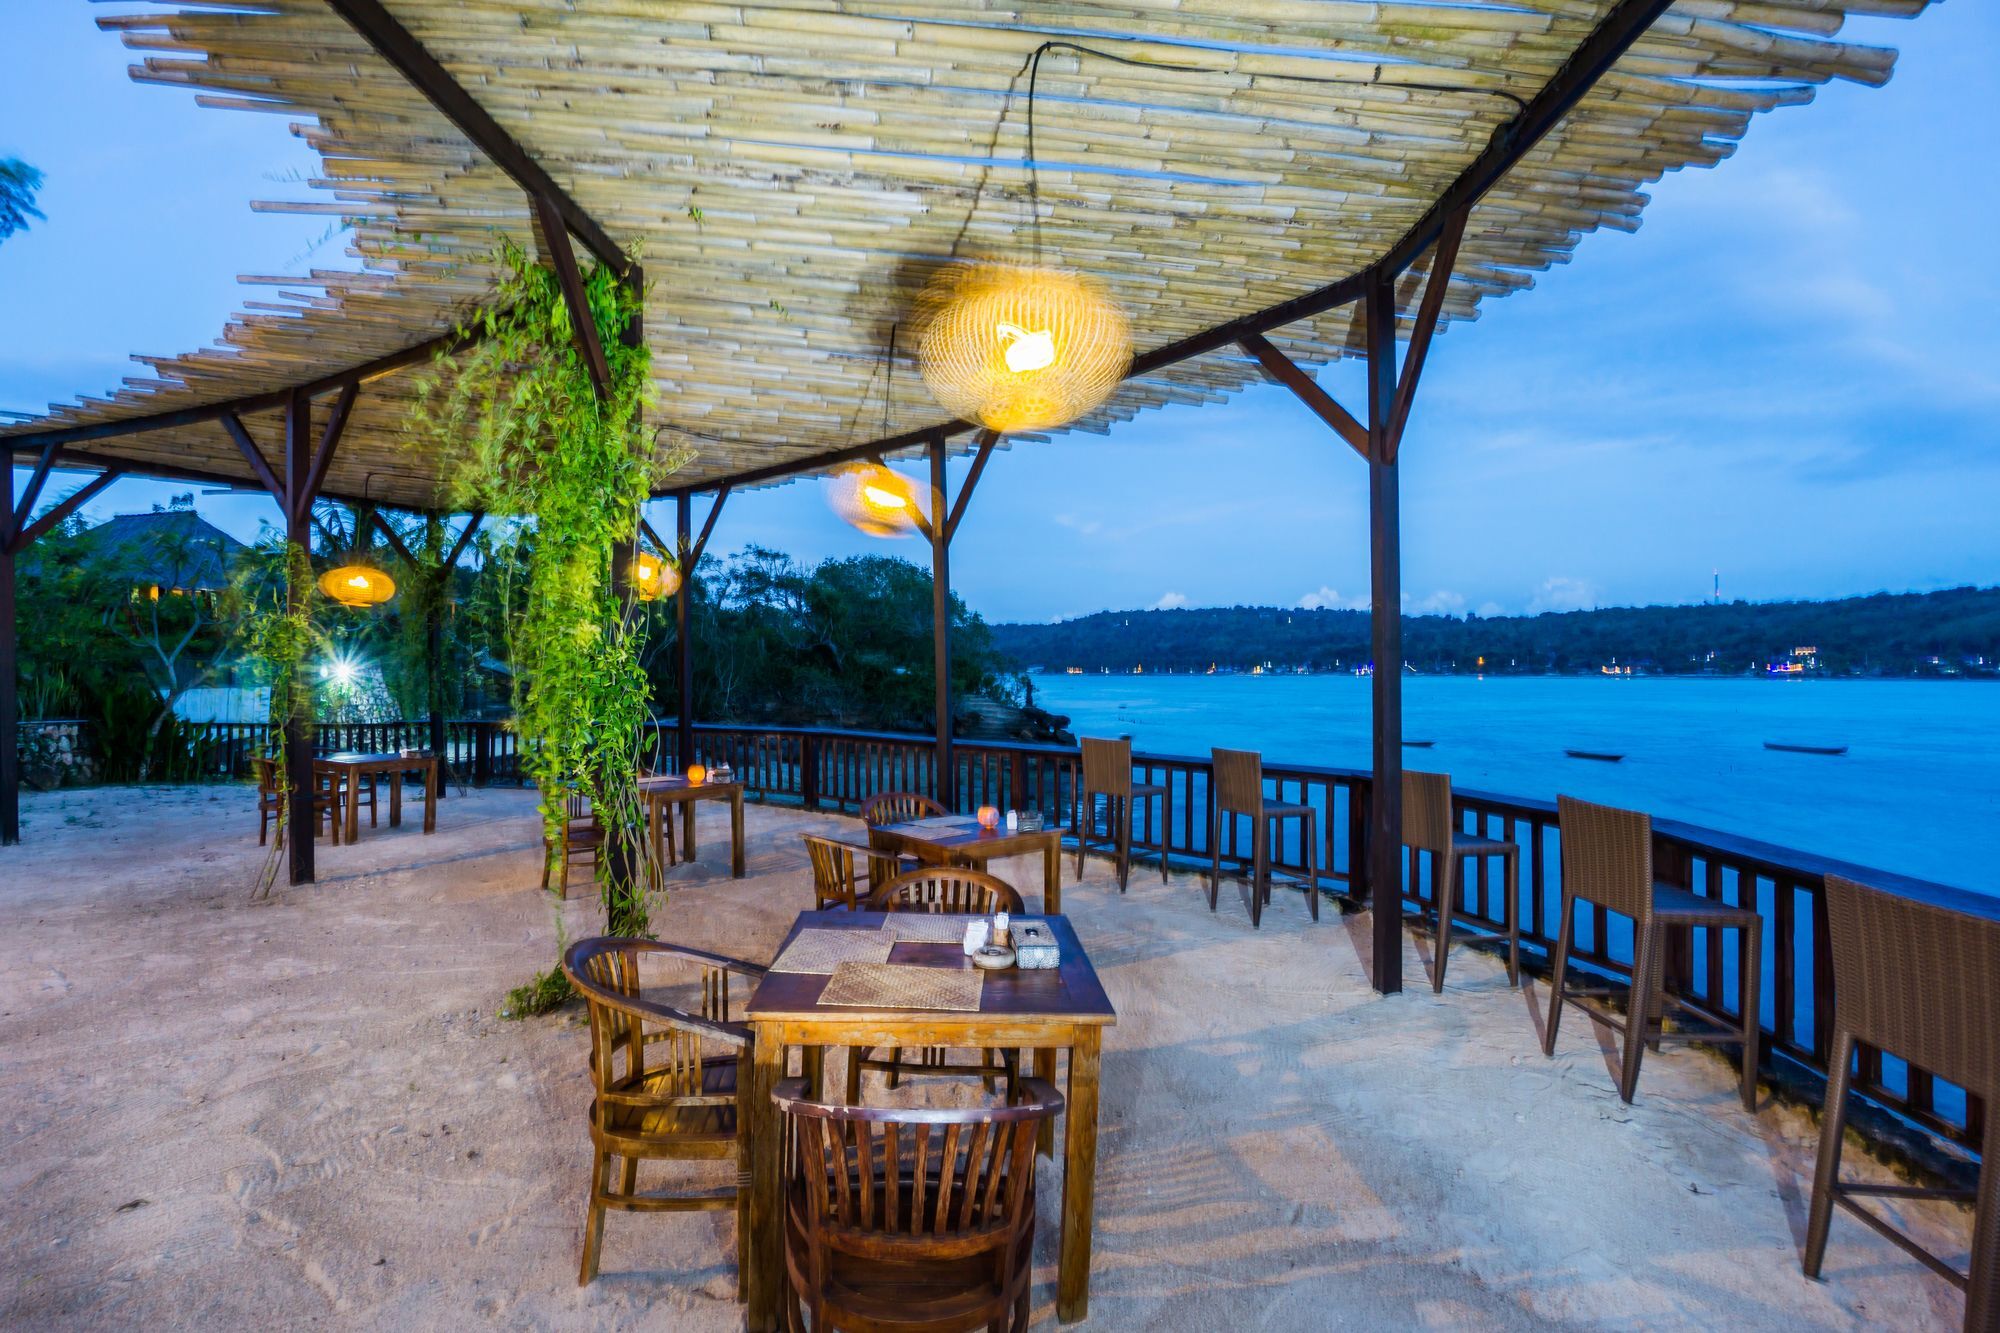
(1428, 826)
(1607, 859)
(1236, 787)
(1107, 772)
(1915, 981)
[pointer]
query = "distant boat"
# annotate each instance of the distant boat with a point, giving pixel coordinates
(1603, 756)
(1805, 749)
(1420, 745)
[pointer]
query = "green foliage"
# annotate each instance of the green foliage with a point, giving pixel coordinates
(523, 434)
(18, 184)
(546, 993)
(1892, 634)
(272, 601)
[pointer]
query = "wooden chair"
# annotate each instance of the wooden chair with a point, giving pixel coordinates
(838, 880)
(581, 838)
(1236, 787)
(271, 803)
(1915, 981)
(664, 1080)
(1107, 772)
(1429, 827)
(944, 890)
(910, 1219)
(1607, 859)
(898, 807)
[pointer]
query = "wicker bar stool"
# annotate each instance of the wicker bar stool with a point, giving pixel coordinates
(1107, 772)
(1236, 788)
(1918, 982)
(1428, 826)
(1607, 859)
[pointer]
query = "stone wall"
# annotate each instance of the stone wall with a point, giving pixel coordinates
(56, 752)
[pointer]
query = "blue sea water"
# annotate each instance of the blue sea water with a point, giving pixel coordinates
(1918, 791)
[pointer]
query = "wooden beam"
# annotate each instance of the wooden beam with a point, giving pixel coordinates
(659, 544)
(298, 755)
(1385, 621)
(234, 425)
(1303, 386)
(62, 509)
(395, 44)
(582, 324)
(472, 522)
(987, 439)
(707, 526)
(389, 534)
(946, 783)
(683, 659)
(336, 422)
(1443, 258)
(16, 517)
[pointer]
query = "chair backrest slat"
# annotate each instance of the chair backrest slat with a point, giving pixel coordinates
(1427, 811)
(1607, 856)
(946, 889)
(1238, 780)
(898, 807)
(1107, 766)
(1918, 981)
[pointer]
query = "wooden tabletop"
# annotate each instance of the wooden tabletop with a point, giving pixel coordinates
(385, 757)
(1068, 994)
(675, 782)
(965, 835)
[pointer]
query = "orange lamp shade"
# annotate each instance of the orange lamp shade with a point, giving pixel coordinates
(654, 578)
(989, 818)
(357, 585)
(880, 501)
(696, 775)
(1018, 348)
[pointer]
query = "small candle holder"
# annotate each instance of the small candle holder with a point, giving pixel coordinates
(989, 818)
(696, 775)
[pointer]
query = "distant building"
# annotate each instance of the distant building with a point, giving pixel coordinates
(166, 551)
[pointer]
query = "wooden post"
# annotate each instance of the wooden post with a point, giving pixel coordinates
(1385, 617)
(683, 659)
(434, 649)
(946, 785)
(10, 722)
(298, 533)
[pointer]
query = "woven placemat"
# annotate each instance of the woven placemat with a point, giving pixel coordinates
(897, 986)
(928, 927)
(824, 950)
(944, 822)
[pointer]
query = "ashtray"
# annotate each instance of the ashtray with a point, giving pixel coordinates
(992, 957)
(1030, 821)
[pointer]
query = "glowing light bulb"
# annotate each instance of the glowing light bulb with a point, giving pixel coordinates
(882, 499)
(1027, 351)
(358, 581)
(344, 672)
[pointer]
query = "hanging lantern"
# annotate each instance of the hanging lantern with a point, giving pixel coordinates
(654, 578)
(357, 585)
(880, 501)
(1017, 348)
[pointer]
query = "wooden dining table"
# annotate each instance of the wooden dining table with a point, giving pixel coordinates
(662, 792)
(959, 840)
(351, 766)
(1060, 1009)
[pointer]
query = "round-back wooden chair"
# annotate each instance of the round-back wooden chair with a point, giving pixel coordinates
(327, 807)
(935, 1228)
(665, 1079)
(899, 807)
(843, 873)
(942, 890)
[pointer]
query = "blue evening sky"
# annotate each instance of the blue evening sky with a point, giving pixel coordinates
(1787, 375)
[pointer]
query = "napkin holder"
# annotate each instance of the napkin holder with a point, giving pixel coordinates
(1035, 947)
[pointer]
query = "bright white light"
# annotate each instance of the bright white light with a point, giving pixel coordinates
(1027, 351)
(883, 499)
(344, 672)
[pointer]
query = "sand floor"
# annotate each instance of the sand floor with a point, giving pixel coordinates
(223, 1114)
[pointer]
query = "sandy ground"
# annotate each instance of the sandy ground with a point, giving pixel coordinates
(223, 1114)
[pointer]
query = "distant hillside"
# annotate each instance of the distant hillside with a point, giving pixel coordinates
(1955, 632)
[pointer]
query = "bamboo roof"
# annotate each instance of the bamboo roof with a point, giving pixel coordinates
(790, 174)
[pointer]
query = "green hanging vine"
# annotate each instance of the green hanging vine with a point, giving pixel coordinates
(521, 433)
(277, 637)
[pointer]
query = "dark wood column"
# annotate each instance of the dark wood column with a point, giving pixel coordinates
(1385, 617)
(683, 659)
(298, 503)
(946, 784)
(10, 721)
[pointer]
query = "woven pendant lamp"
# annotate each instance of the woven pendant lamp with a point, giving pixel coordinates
(1020, 348)
(357, 585)
(654, 578)
(878, 500)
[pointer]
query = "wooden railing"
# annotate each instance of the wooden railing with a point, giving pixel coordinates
(478, 751)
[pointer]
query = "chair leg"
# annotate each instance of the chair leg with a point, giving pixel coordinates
(593, 1224)
(895, 1072)
(628, 1182)
(1085, 827)
(854, 1076)
(1752, 1005)
(1510, 877)
(1982, 1288)
(1259, 853)
(1826, 1170)
(1124, 842)
(1166, 829)
(1558, 972)
(1310, 831)
(1638, 1008)
(1214, 855)
(1444, 891)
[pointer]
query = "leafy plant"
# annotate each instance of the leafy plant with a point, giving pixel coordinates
(18, 184)
(273, 597)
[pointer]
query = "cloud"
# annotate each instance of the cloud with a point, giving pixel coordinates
(1563, 593)
(1085, 527)
(1487, 610)
(1329, 599)
(1443, 602)
(1172, 601)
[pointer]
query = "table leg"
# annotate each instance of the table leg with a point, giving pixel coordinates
(812, 1064)
(396, 798)
(1052, 877)
(687, 829)
(1079, 1179)
(1045, 1070)
(736, 836)
(353, 805)
(433, 791)
(759, 1250)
